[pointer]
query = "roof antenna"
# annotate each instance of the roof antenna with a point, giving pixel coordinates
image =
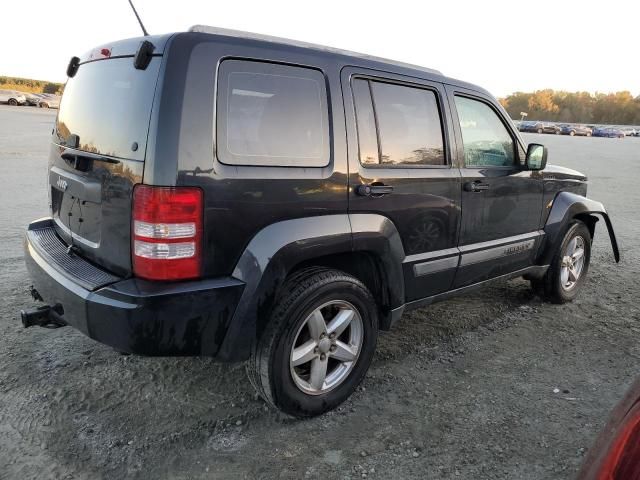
(146, 34)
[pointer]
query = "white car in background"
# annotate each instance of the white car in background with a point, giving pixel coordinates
(12, 97)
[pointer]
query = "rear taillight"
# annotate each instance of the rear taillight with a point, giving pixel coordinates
(167, 232)
(623, 459)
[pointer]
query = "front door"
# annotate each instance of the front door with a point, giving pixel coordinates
(501, 201)
(400, 167)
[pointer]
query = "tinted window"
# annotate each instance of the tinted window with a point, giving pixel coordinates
(272, 115)
(409, 126)
(367, 137)
(486, 140)
(107, 104)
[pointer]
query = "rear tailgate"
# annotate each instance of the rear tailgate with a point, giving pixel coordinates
(98, 152)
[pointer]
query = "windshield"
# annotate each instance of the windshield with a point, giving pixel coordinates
(107, 104)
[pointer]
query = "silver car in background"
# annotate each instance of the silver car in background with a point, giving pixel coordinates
(33, 98)
(49, 101)
(12, 97)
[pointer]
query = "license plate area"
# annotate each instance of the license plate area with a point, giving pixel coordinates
(76, 205)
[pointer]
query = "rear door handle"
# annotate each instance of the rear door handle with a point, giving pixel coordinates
(373, 190)
(476, 186)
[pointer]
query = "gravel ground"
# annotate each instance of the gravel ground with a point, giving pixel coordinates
(462, 389)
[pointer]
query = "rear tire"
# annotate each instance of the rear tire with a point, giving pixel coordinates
(539, 130)
(569, 266)
(43, 105)
(280, 370)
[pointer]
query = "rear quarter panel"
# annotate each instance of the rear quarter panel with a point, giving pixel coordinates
(239, 201)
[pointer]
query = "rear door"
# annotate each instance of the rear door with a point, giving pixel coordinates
(399, 148)
(501, 201)
(98, 153)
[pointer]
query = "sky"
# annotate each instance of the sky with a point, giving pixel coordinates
(503, 46)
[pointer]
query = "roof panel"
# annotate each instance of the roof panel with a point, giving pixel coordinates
(297, 43)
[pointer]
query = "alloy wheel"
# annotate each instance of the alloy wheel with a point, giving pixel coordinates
(572, 263)
(326, 347)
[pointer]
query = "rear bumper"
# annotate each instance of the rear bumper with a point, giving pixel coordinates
(131, 315)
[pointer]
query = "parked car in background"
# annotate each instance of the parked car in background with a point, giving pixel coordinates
(615, 455)
(630, 131)
(33, 99)
(576, 130)
(540, 127)
(50, 101)
(12, 97)
(608, 132)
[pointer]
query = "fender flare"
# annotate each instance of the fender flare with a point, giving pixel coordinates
(279, 247)
(566, 207)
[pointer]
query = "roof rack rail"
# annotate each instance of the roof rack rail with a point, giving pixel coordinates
(297, 43)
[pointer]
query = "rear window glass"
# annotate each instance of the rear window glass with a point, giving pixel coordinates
(367, 133)
(408, 123)
(271, 115)
(107, 104)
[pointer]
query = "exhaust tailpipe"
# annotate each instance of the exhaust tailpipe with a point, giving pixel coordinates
(45, 316)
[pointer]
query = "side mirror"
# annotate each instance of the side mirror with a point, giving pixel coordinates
(536, 157)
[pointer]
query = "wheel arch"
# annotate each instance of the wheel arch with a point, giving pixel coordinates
(566, 208)
(366, 246)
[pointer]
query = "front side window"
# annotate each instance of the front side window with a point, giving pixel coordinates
(271, 115)
(409, 129)
(486, 141)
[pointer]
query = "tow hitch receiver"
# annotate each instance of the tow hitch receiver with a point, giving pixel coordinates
(45, 316)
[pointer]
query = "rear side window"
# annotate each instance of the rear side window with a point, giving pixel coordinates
(271, 115)
(107, 104)
(367, 135)
(487, 142)
(407, 122)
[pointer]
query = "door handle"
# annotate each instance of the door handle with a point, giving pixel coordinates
(476, 186)
(373, 190)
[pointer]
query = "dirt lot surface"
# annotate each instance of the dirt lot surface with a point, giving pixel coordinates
(463, 389)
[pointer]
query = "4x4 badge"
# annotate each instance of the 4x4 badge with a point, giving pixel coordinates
(62, 184)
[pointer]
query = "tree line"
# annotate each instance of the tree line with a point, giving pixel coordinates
(28, 85)
(619, 108)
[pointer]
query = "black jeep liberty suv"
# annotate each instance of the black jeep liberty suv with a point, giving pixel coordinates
(255, 199)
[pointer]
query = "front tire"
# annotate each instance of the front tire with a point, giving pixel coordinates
(318, 343)
(13, 102)
(569, 267)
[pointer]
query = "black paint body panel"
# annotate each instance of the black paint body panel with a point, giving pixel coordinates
(566, 207)
(138, 316)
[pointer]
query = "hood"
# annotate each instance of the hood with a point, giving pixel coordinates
(556, 172)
